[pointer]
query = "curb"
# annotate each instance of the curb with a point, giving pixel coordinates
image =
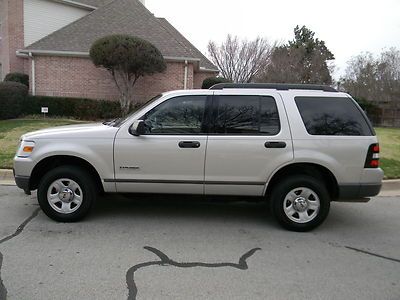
(390, 187)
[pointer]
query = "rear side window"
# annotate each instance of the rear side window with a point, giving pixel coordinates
(332, 116)
(246, 115)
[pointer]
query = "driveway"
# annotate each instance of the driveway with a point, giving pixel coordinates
(185, 249)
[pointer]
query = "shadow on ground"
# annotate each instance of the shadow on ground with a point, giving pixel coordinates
(176, 207)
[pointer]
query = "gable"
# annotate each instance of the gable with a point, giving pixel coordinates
(43, 17)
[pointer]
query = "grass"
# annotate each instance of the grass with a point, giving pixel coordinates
(389, 140)
(11, 130)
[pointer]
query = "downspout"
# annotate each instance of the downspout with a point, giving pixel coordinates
(33, 74)
(185, 80)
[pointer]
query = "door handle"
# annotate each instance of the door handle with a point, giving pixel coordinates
(275, 145)
(189, 144)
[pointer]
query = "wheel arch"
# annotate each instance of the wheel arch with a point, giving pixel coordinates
(311, 169)
(52, 162)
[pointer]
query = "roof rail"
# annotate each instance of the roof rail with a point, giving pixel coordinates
(275, 86)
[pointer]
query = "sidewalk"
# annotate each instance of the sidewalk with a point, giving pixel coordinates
(390, 188)
(6, 177)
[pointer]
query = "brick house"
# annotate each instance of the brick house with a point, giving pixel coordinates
(50, 41)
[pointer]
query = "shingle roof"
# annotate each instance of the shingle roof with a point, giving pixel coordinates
(121, 17)
(204, 62)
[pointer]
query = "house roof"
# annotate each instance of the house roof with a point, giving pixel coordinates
(204, 61)
(121, 17)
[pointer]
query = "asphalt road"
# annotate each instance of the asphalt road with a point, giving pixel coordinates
(153, 249)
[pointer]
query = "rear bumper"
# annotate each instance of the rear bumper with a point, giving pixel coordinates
(358, 192)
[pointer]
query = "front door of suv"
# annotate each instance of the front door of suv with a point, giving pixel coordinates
(169, 157)
(249, 139)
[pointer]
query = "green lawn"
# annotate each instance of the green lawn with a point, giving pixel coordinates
(389, 140)
(11, 130)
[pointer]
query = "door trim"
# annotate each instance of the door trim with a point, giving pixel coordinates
(184, 181)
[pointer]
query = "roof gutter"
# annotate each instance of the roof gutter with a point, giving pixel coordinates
(208, 70)
(53, 53)
(76, 4)
(24, 52)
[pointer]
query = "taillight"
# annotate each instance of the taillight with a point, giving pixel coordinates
(372, 160)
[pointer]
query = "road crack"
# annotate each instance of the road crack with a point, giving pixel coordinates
(166, 261)
(373, 254)
(20, 229)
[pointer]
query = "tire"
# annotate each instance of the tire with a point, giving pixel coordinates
(66, 193)
(300, 203)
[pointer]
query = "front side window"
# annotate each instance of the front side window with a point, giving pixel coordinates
(251, 115)
(332, 116)
(179, 115)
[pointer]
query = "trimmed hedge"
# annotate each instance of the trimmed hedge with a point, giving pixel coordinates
(210, 81)
(15, 102)
(12, 96)
(18, 77)
(82, 109)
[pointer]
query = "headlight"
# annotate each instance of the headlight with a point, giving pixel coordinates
(25, 148)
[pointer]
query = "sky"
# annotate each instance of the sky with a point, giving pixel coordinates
(348, 27)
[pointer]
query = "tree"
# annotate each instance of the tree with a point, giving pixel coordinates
(127, 58)
(305, 59)
(374, 78)
(240, 61)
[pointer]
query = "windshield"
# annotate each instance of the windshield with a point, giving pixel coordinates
(117, 122)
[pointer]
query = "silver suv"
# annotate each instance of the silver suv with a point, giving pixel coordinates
(297, 146)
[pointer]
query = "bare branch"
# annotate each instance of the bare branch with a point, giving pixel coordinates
(241, 61)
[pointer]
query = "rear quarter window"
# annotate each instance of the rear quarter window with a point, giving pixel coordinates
(333, 116)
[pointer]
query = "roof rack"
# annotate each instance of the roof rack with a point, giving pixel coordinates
(275, 86)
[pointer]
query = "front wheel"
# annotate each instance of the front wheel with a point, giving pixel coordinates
(300, 203)
(66, 193)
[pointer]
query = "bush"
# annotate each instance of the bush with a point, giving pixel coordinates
(210, 81)
(18, 77)
(12, 95)
(127, 58)
(82, 109)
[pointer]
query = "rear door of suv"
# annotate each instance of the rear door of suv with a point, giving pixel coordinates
(249, 139)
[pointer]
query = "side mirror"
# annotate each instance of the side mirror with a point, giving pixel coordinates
(137, 128)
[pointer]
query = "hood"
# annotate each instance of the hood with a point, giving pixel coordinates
(80, 131)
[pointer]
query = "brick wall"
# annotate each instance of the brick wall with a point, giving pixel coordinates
(12, 33)
(78, 77)
(200, 76)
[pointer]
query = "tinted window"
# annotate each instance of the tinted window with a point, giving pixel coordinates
(332, 116)
(180, 115)
(246, 115)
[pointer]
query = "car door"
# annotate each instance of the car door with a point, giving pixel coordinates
(250, 139)
(169, 157)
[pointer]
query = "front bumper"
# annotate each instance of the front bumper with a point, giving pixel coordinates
(23, 183)
(358, 192)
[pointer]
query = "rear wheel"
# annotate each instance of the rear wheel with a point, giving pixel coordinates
(300, 203)
(66, 193)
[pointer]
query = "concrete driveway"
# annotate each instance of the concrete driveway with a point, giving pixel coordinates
(154, 249)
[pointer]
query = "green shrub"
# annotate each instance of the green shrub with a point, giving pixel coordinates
(82, 109)
(12, 95)
(210, 81)
(18, 77)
